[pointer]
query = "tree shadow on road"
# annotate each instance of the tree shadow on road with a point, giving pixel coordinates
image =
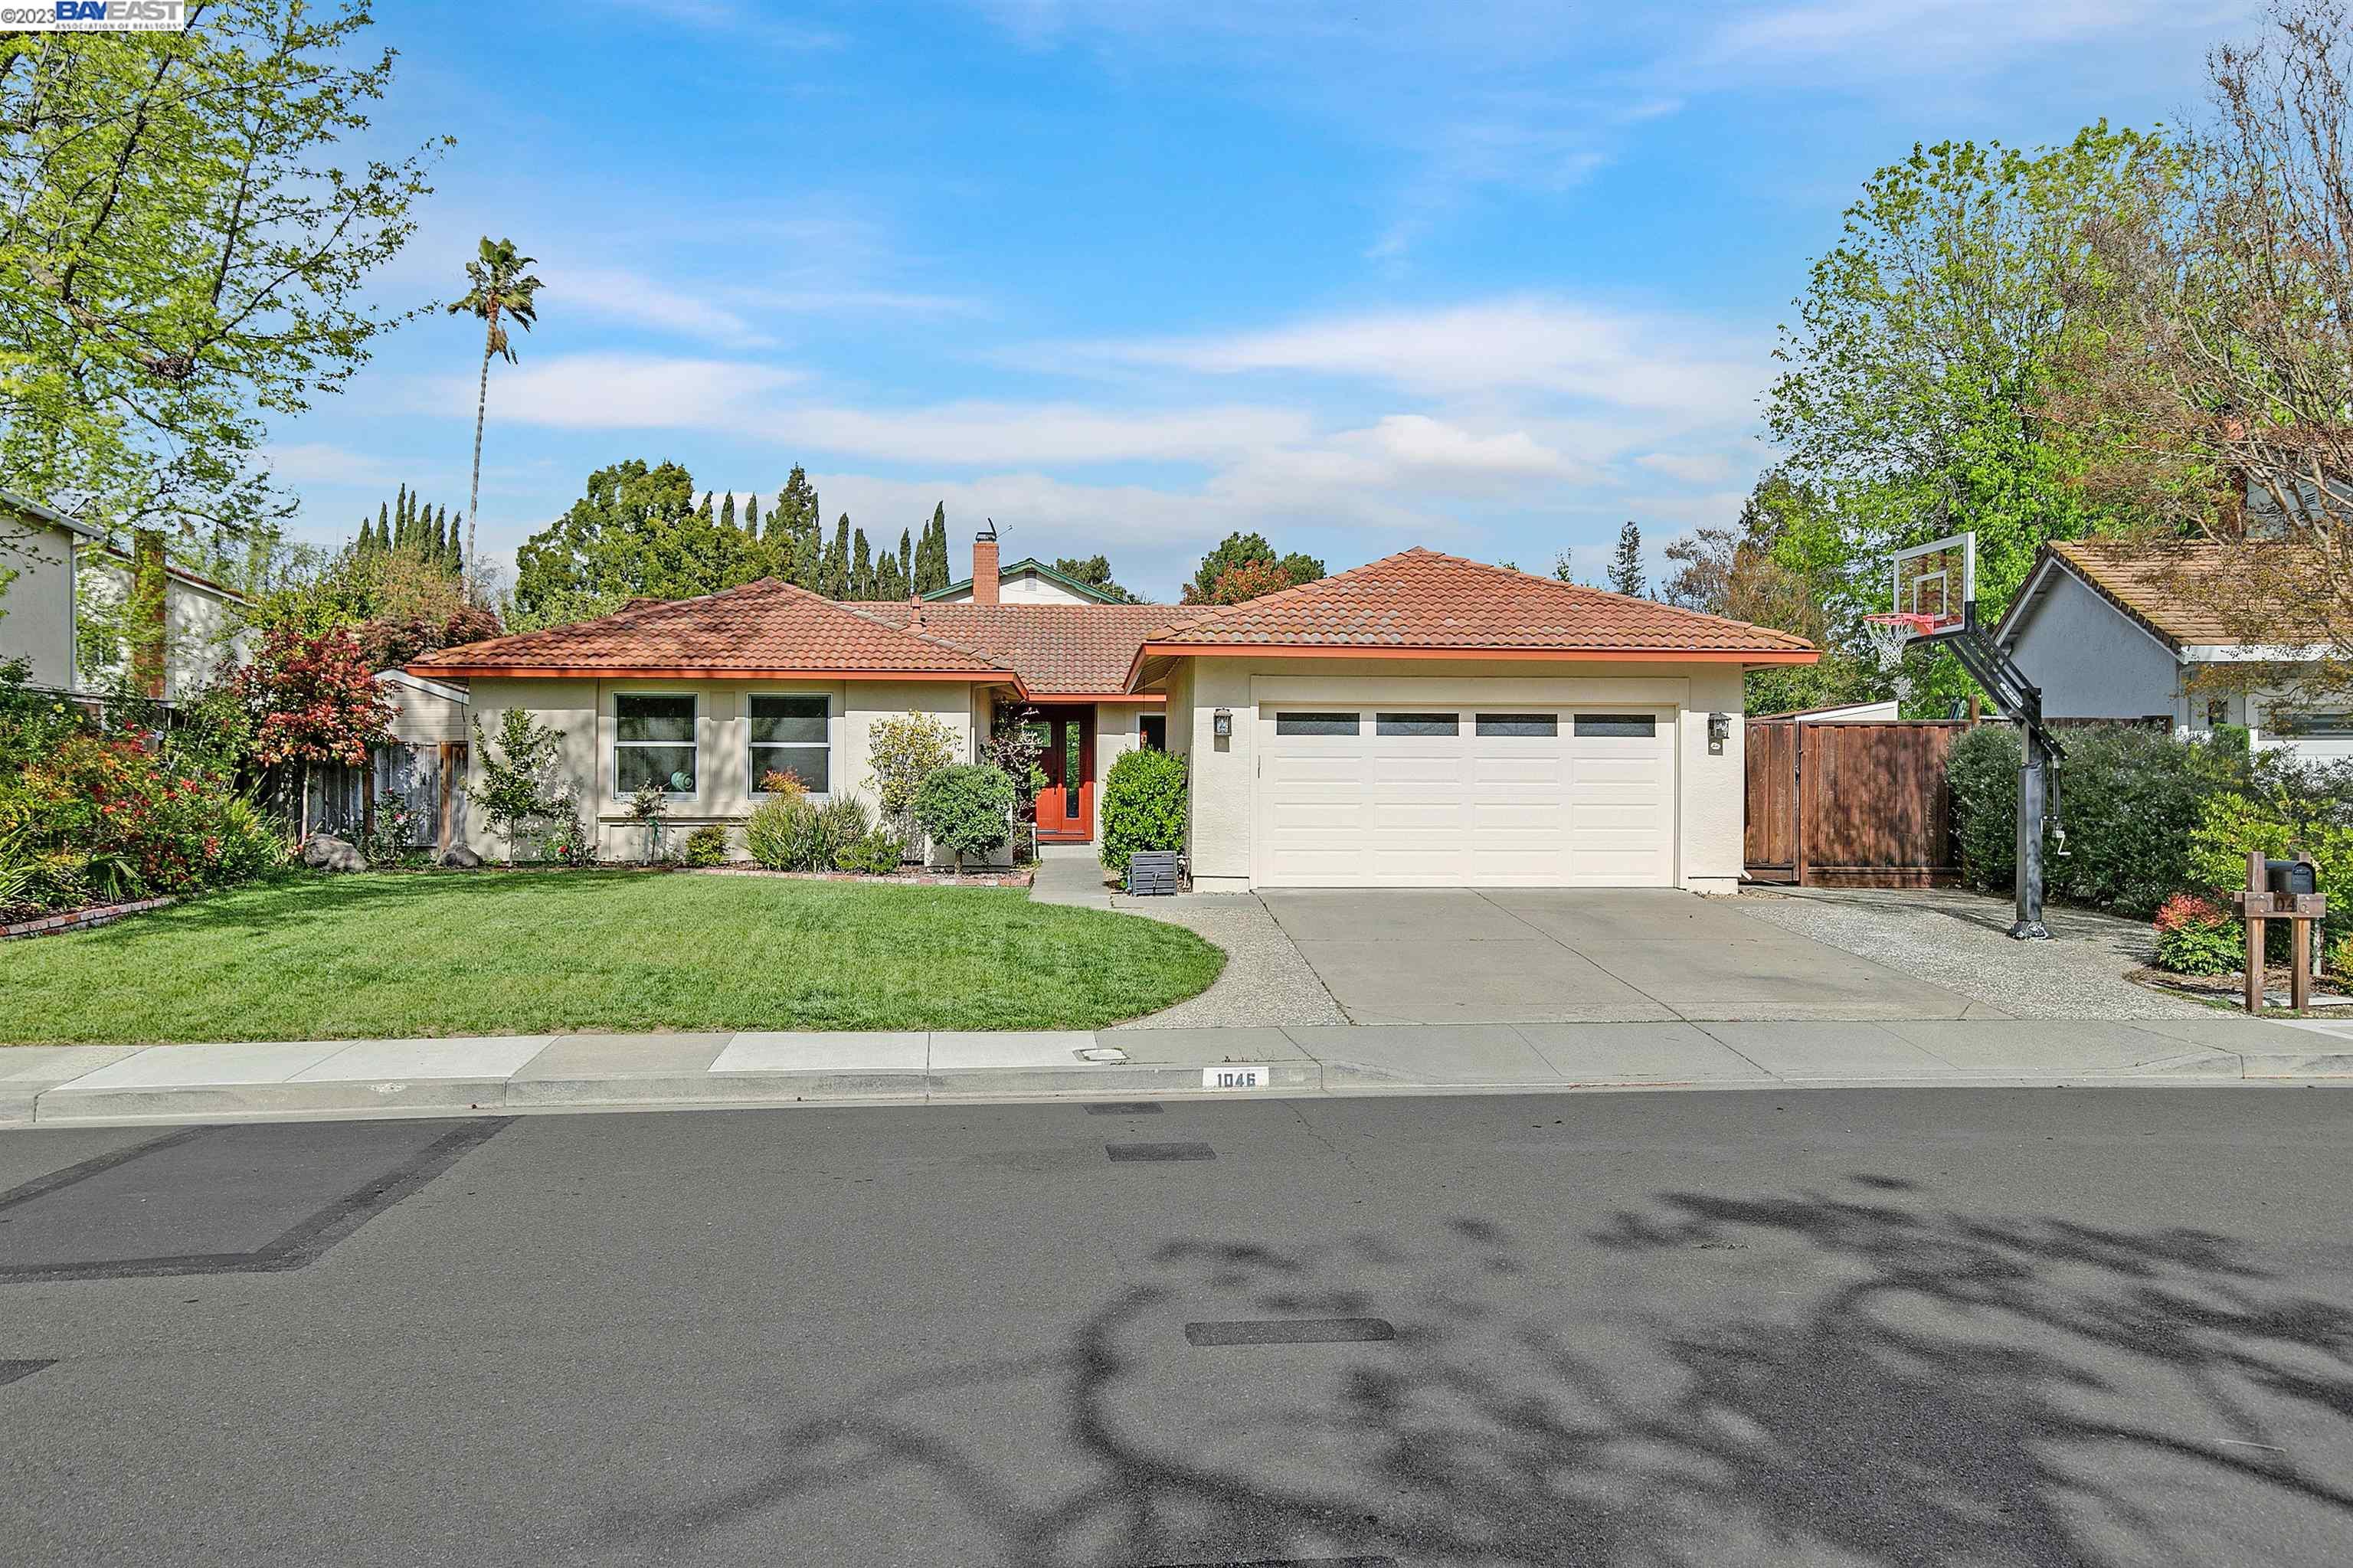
(1856, 1377)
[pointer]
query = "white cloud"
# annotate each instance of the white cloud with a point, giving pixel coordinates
(619, 295)
(1010, 434)
(1691, 468)
(613, 392)
(324, 463)
(1627, 359)
(1951, 36)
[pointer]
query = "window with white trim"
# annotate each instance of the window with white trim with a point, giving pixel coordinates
(653, 743)
(789, 736)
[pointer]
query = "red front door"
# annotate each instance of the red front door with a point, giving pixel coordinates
(1065, 806)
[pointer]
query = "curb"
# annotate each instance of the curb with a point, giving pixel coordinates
(65, 1105)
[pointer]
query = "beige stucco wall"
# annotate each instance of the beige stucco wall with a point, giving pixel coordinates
(36, 609)
(1709, 789)
(584, 711)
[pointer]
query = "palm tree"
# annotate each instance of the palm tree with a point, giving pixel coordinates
(498, 287)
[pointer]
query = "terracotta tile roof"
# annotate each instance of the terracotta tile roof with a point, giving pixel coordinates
(764, 626)
(1062, 650)
(1420, 598)
(2156, 585)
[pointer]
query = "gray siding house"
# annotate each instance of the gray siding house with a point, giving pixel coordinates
(2103, 628)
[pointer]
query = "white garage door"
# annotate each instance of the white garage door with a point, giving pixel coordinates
(1387, 795)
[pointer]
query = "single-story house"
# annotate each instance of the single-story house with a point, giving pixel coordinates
(38, 545)
(2104, 627)
(1423, 719)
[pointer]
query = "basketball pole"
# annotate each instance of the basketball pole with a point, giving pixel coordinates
(1990, 665)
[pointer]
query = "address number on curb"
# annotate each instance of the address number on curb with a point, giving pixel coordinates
(1231, 1077)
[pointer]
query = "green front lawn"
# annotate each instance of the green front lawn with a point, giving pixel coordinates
(311, 956)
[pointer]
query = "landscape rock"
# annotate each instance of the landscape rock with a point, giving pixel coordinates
(325, 851)
(461, 858)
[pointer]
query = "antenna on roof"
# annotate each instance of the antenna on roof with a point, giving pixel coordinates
(989, 533)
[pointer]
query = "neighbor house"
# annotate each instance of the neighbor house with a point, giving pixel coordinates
(203, 632)
(2106, 630)
(1026, 581)
(1422, 719)
(37, 547)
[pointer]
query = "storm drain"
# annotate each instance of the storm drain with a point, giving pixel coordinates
(223, 1200)
(1124, 1153)
(11, 1370)
(1290, 1331)
(1125, 1107)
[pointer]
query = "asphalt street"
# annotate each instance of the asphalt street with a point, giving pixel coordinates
(1942, 1326)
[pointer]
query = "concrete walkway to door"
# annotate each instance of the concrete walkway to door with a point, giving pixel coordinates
(1583, 955)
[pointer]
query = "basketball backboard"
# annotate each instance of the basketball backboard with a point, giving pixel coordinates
(1937, 583)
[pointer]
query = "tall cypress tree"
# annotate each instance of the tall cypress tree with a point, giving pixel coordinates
(906, 579)
(833, 574)
(752, 516)
(384, 524)
(889, 582)
(453, 548)
(861, 567)
(727, 512)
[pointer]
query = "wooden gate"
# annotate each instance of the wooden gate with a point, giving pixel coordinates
(1850, 805)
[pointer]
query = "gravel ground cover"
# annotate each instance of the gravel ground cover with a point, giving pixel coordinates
(1266, 982)
(1961, 941)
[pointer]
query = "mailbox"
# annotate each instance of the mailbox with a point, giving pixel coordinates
(2289, 876)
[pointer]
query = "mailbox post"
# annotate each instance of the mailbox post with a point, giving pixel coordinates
(2280, 890)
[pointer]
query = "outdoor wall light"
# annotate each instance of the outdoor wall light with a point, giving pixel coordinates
(1221, 723)
(1719, 730)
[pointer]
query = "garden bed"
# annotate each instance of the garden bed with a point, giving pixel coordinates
(999, 876)
(2327, 991)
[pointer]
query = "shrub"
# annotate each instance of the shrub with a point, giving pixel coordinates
(2340, 955)
(875, 855)
(1982, 771)
(573, 840)
(1143, 806)
(2139, 807)
(2197, 936)
(516, 786)
(707, 845)
(2231, 822)
(902, 752)
(783, 833)
(967, 808)
(95, 818)
(840, 822)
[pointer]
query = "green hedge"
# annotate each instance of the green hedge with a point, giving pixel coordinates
(2146, 816)
(1143, 806)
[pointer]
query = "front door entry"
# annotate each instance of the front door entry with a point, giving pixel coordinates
(1065, 806)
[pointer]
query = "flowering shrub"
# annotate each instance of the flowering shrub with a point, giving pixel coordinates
(2197, 936)
(98, 819)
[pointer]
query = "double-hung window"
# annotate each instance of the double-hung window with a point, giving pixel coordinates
(788, 736)
(653, 743)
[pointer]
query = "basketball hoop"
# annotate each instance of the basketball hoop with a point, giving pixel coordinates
(1893, 633)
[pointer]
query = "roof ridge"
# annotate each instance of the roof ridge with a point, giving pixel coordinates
(922, 634)
(1644, 599)
(1218, 611)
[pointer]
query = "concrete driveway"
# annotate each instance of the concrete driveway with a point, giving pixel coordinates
(1582, 954)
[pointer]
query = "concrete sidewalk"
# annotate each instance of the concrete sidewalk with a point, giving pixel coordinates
(49, 1085)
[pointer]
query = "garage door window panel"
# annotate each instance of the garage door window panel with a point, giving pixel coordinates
(1621, 726)
(1318, 724)
(1419, 725)
(1519, 727)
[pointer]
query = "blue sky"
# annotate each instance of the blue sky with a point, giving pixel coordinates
(1126, 277)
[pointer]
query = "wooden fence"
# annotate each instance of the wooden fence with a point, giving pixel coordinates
(1850, 805)
(428, 777)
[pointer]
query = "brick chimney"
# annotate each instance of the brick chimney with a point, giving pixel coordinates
(984, 568)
